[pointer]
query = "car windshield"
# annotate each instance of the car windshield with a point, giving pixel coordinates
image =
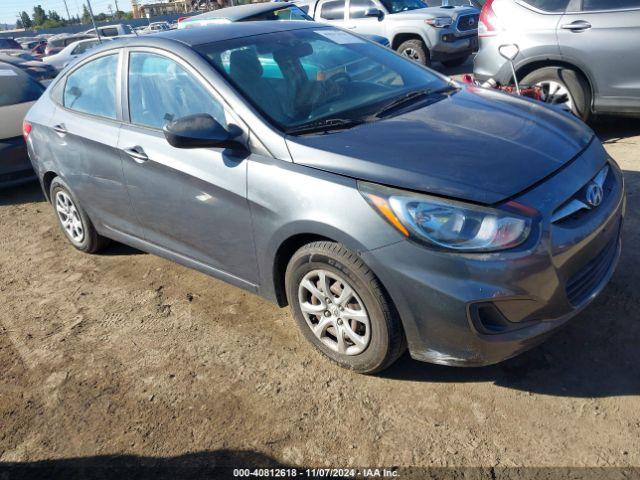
(298, 78)
(395, 6)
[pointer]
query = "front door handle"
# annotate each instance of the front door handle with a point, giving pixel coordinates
(577, 26)
(60, 129)
(137, 153)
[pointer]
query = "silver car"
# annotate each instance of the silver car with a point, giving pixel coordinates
(583, 53)
(388, 208)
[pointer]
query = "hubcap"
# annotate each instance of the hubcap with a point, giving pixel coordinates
(411, 53)
(555, 93)
(69, 217)
(334, 312)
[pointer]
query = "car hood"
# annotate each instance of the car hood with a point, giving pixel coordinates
(477, 145)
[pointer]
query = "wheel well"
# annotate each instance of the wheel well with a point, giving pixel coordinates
(403, 37)
(530, 67)
(46, 182)
(283, 255)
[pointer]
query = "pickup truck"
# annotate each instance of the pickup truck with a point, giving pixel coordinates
(446, 34)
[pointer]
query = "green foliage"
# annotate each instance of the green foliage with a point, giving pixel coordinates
(25, 20)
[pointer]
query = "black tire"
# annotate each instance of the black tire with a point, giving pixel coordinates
(91, 241)
(455, 62)
(416, 50)
(574, 82)
(387, 340)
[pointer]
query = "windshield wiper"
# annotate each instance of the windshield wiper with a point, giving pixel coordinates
(411, 97)
(326, 125)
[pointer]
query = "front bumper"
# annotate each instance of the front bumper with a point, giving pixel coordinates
(451, 45)
(437, 293)
(15, 167)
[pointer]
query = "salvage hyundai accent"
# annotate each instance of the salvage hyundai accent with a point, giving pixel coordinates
(387, 205)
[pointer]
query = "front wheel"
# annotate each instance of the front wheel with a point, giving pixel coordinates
(416, 50)
(342, 309)
(564, 87)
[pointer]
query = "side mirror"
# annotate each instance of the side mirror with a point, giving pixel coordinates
(201, 131)
(509, 51)
(373, 12)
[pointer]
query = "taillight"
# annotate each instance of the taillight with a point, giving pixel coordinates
(488, 23)
(26, 129)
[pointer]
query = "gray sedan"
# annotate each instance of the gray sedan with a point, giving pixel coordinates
(388, 207)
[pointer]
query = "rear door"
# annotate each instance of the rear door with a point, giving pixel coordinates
(191, 202)
(83, 134)
(603, 38)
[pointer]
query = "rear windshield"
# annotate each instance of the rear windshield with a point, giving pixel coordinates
(9, 43)
(16, 88)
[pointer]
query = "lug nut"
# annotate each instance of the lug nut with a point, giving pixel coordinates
(339, 321)
(327, 313)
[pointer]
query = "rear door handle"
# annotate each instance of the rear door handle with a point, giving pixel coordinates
(577, 26)
(137, 153)
(60, 128)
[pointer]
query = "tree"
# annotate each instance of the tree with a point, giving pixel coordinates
(25, 20)
(39, 16)
(86, 16)
(19, 24)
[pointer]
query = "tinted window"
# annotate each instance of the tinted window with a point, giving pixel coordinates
(357, 8)
(92, 87)
(609, 4)
(332, 10)
(160, 91)
(289, 13)
(305, 8)
(15, 88)
(549, 5)
(395, 6)
(109, 32)
(8, 43)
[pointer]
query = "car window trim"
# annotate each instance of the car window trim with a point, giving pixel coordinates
(60, 102)
(524, 4)
(582, 11)
(124, 99)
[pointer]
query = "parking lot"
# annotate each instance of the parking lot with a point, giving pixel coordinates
(124, 353)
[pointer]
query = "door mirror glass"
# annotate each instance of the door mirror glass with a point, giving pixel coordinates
(509, 51)
(201, 131)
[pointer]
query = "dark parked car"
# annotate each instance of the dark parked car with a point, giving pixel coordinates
(31, 65)
(389, 209)
(18, 92)
(9, 44)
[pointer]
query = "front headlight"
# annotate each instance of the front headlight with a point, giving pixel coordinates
(447, 224)
(439, 22)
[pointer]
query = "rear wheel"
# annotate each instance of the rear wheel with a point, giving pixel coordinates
(455, 62)
(562, 86)
(342, 309)
(73, 220)
(416, 50)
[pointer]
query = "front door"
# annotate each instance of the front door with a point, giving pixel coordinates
(603, 37)
(191, 202)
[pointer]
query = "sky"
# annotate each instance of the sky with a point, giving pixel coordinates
(9, 9)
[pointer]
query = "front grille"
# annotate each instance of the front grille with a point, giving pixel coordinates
(578, 205)
(468, 22)
(581, 285)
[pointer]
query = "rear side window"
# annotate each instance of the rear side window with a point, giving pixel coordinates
(15, 88)
(83, 47)
(160, 91)
(109, 32)
(9, 44)
(549, 5)
(358, 8)
(333, 10)
(92, 87)
(590, 5)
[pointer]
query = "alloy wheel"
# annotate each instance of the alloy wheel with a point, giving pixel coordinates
(334, 312)
(69, 216)
(411, 53)
(555, 93)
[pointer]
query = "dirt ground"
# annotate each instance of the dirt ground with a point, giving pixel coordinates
(124, 353)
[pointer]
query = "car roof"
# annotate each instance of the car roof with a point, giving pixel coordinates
(227, 31)
(241, 11)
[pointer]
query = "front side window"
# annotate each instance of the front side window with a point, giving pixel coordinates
(333, 10)
(160, 90)
(549, 5)
(594, 5)
(396, 6)
(298, 77)
(358, 8)
(288, 13)
(92, 87)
